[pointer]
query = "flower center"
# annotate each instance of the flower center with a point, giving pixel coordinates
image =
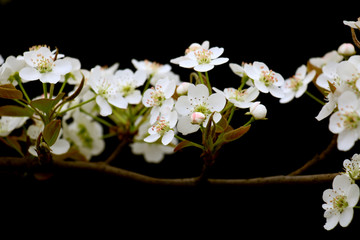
(202, 108)
(43, 64)
(340, 203)
(84, 136)
(237, 95)
(161, 127)
(351, 120)
(157, 98)
(127, 89)
(268, 77)
(203, 56)
(295, 83)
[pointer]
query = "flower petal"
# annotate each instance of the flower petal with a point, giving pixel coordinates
(203, 67)
(105, 108)
(29, 74)
(216, 102)
(346, 217)
(185, 126)
(62, 67)
(168, 137)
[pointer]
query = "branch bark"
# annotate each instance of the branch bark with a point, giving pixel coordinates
(103, 168)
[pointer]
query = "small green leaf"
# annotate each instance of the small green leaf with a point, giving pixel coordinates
(235, 134)
(51, 132)
(45, 104)
(182, 145)
(15, 111)
(8, 91)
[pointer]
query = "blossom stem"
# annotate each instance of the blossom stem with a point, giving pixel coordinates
(315, 98)
(252, 119)
(100, 120)
(45, 90)
(208, 82)
(231, 113)
(200, 76)
(52, 85)
(63, 86)
(192, 143)
(243, 81)
(77, 105)
(147, 84)
(22, 88)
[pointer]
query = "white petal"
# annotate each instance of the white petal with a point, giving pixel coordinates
(147, 100)
(60, 146)
(347, 100)
(216, 102)
(216, 52)
(326, 110)
(152, 138)
(336, 123)
(118, 100)
(346, 217)
(353, 195)
(50, 77)
(188, 63)
(203, 67)
(261, 86)
(185, 127)
(183, 106)
(198, 92)
(168, 137)
(346, 140)
(134, 97)
(251, 72)
(29, 74)
(105, 108)
(219, 61)
(341, 183)
(332, 221)
(62, 67)
(276, 91)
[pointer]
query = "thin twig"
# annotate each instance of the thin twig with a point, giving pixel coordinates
(103, 168)
(317, 157)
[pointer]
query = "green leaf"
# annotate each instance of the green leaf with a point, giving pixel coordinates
(51, 132)
(45, 104)
(235, 134)
(8, 91)
(182, 145)
(15, 111)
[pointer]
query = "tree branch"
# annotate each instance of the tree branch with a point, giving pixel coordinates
(106, 169)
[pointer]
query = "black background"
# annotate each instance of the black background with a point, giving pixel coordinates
(284, 36)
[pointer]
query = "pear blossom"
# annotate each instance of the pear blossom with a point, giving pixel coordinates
(153, 152)
(198, 101)
(352, 167)
(107, 91)
(353, 24)
(264, 79)
(346, 121)
(75, 75)
(193, 47)
(241, 99)
(163, 128)
(127, 82)
(332, 56)
(183, 88)
(9, 71)
(258, 111)
(159, 97)
(151, 68)
(43, 66)
(203, 60)
(85, 134)
(8, 124)
(340, 202)
(237, 69)
(296, 86)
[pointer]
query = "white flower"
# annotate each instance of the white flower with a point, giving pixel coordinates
(85, 134)
(237, 69)
(198, 100)
(193, 47)
(353, 24)
(8, 124)
(352, 167)
(159, 96)
(127, 83)
(241, 99)
(296, 86)
(340, 202)
(153, 152)
(264, 79)
(74, 76)
(346, 122)
(183, 88)
(328, 75)
(151, 68)
(332, 56)
(163, 128)
(258, 111)
(107, 91)
(42, 66)
(203, 60)
(10, 69)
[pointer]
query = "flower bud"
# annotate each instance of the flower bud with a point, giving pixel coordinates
(346, 49)
(197, 118)
(258, 111)
(182, 89)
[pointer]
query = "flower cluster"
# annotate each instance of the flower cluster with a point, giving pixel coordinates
(151, 110)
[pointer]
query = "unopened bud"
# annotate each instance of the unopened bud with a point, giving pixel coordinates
(197, 118)
(258, 111)
(183, 88)
(346, 49)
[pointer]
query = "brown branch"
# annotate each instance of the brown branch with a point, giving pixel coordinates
(106, 169)
(317, 157)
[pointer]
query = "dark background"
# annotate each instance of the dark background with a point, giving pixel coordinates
(284, 36)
